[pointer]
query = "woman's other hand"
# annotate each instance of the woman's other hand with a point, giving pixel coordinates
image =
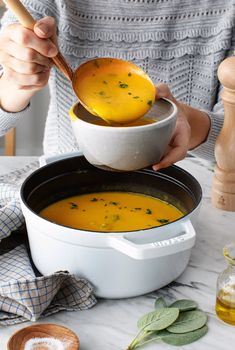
(180, 141)
(192, 128)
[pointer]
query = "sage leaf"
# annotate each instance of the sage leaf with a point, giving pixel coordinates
(184, 304)
(188, 321)
(159, 319)
(151, 337)
(160, 303)
(182, 339)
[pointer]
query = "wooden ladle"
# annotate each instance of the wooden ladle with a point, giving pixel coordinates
(118, 91)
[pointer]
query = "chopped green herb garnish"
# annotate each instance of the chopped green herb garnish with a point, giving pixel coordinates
(113, 203)
(94, 199)
(137, 208)
(105, 82)
(123, 85)
(129, 74)
(101, 93)
(96, 63)
(129, 93)
(163, 221)
(115, 217)
(150, 102)
(73, 205)
(148, 211)
(136, 97)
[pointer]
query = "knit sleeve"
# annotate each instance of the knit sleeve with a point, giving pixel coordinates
(206, 149)
(216, 115)
(9, 120)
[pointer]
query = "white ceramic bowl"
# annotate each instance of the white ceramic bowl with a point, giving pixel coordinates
(124, 148)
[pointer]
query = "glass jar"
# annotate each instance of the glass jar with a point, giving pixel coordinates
(225, 294)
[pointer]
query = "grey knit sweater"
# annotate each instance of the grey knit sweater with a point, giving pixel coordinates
(179, 42)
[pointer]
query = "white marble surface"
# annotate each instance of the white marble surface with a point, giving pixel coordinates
(111, 324)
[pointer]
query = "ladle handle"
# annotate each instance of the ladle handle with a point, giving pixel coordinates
(28, 21)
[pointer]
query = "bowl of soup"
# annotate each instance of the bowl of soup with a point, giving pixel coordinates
(125, 147)
(128, 233)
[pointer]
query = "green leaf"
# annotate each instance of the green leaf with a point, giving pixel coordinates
(159, 319)
(184, 304)
(182, 339)
(160, 303)
(188, 321)
(149, 338)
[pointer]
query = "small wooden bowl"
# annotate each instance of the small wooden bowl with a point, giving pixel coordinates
(19, 339)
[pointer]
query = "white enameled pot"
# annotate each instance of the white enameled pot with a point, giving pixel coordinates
(119, 264)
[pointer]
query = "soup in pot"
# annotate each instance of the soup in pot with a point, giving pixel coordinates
(111, 212)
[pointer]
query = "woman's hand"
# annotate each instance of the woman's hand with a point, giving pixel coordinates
(25, 56)
(180, 141)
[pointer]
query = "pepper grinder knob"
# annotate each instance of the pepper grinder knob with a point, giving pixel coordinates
(223, 185)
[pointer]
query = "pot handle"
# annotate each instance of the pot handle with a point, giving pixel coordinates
(156, 249)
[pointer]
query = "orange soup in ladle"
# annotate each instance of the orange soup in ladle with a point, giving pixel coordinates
(117, 91)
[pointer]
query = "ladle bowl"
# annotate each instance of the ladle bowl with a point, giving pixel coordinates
(118, 91)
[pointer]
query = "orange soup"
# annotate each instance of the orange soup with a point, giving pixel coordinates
(138, 122)
(106, 85)
(111, 212)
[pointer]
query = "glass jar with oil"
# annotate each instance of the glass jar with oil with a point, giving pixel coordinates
(225, 296)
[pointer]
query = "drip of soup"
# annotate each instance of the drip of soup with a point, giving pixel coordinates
(111, 212)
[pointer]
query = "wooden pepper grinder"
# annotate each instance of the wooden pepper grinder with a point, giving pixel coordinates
(223, 186)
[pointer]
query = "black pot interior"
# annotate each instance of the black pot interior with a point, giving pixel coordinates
(73, 176)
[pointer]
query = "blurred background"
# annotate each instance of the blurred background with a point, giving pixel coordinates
(29, 131)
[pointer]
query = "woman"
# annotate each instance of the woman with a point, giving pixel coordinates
(178, 43)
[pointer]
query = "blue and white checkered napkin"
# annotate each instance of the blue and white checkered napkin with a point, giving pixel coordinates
(24, 294)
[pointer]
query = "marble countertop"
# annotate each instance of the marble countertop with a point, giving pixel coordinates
(111, 324)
